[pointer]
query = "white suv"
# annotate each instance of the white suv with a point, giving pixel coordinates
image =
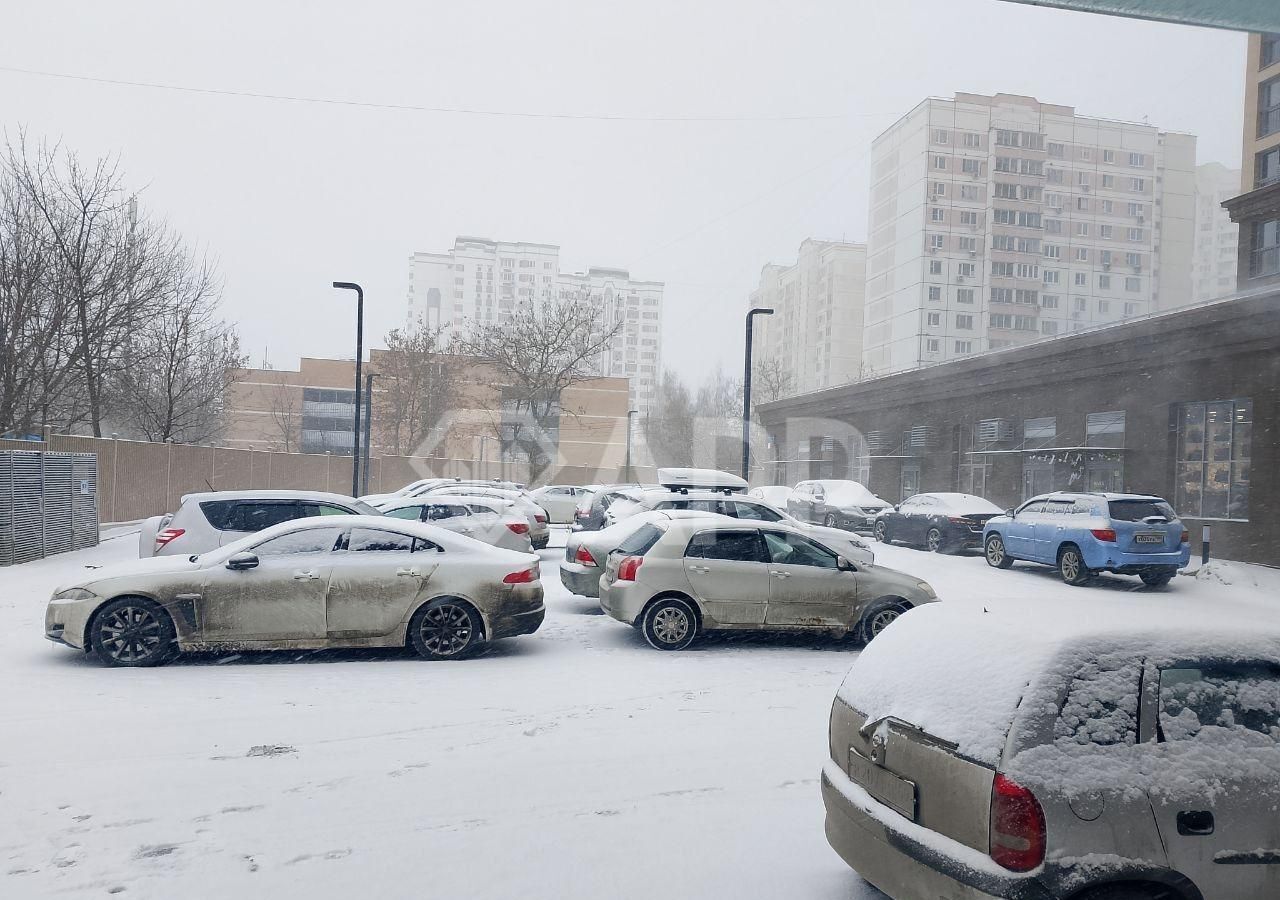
(209, 520)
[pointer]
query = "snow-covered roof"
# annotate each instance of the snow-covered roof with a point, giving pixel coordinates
(960, 671)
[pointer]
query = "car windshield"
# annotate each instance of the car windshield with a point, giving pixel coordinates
(644, 366)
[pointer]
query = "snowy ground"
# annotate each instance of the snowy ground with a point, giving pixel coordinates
(575, 762)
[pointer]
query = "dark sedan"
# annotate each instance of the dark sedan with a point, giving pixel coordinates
(589, 515)
(937, 522)
(835, 503)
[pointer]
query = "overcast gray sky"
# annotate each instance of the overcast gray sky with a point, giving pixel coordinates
(291, 196)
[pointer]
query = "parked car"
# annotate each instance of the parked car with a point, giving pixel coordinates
(677, 580)
(1086, 533)
(486, 519)
(1105, 757)
(408, 490)
(590, 512)
(938, 522)
(559, 500)
(737, 506)
(836, 504)
(539, 531)
(776, 495)
(315, 583)
(213, 519)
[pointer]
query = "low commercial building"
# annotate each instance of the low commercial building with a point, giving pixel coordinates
(312, 410)
(1169, 405)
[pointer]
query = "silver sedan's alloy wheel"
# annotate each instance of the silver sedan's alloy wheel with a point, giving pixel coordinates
(934, 540)
(671, 625)
(130, 634)
(446, 629)
(995, 551)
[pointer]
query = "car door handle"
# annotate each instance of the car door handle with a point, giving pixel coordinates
(411, 573)
(702, 570)
(1195, 823)
(776, 574)
(305, 576)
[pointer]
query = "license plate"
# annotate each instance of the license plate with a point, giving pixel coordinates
(1149, 538)
(893, 791)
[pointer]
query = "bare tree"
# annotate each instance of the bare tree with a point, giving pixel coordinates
(720, 397)
(284, 432)
(418, 384)
(180, 361)
(541, 350)
(670, 426)
(770, 381)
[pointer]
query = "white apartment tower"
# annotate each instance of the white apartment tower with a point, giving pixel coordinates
(480, 280)
(815, 333)
(1217, 237)
(1000, 220)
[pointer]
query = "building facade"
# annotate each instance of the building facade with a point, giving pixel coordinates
(481, 281)
(312, 410)
(1217, 237)
(814, 338)
(999, 220)
(1169, 405)
(1257, 211)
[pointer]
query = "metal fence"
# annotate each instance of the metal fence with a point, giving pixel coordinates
(48, 504)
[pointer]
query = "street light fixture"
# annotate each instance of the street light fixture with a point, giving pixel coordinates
(746, 393)
(355, 456)
(630, 472)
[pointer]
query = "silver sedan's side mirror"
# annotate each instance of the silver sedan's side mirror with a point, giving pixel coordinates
(244, 560)
(1009, 512)
(844, 565)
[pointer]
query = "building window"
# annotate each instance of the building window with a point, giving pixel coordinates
(940, 162)
(941, 136)
(1213, 451)
(1052, 251)
(1001, 320)
(1049, 327)
(1135, 234)
(935, 292)
(1081, 279)
(963, 347)
(971, 166)
(964, 322)
(1138, 184)
(1131, 309)
(1137, 160)
(1081, 304)
(970, 192)
(1104, 232)
(935, 267)
(964, 295)
(1082, 254)
(1082, 204)
(931, 345)
(968, 217)
(1107, 206)
(1108, 156)
(1133, 259)
(937, 241)
(1104, 282)
(1104, 306)
(1267, 167)
(1270, 54)
(972, 140)
(965, 270)
(1082, 229)
(939, 189)
(1052, 276)
(1001, 295)
(1104, 429)
(934, 320)
(1132, 284)
(1049, 301)
(938, 214)
(1264, 252)
(1057, 151)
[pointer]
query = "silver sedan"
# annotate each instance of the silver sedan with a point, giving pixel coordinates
(317, 583)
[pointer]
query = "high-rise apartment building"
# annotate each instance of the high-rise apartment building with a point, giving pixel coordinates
(814, 338)
(1257, 211)
(480, 280)
(999, 220)
(1217, 237)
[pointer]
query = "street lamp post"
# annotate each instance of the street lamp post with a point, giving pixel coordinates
(355, 456)
(368, 428)
(630, 472)
(746, 393)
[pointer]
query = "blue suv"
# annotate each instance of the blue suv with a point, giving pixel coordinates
(1085, 533)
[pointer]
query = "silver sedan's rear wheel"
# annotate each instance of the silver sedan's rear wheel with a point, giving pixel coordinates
(445, 629)
(670, 624)
(132, 632)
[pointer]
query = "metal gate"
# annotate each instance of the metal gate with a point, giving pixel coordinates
(48, 504)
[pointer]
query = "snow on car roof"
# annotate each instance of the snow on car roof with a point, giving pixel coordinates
(429, 499)
(266, 494)
(959, 671)
(852, 491)
(962, 501)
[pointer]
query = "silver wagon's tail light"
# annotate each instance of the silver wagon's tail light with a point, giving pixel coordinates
(628, 567)
(1017, 826)
(524, 576)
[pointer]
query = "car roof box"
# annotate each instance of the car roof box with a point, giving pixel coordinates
(700, 479)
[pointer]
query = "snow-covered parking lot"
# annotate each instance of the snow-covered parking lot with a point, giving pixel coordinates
(576, 762)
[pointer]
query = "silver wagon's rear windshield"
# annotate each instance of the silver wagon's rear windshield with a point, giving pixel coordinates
(638, 543)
